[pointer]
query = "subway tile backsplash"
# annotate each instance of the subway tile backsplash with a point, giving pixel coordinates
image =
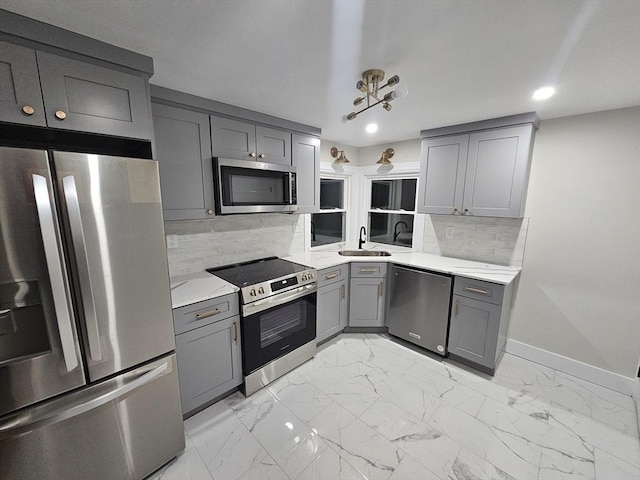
(193, 246)
(483, 239)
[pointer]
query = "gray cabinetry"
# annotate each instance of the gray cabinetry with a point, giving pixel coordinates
(40, 88)
(20, 96)
(481, 173)
(333, 292)
(479, 322)
(367, 294)
(183, 150)
(208, 350)
(244, 141)
(306, 159)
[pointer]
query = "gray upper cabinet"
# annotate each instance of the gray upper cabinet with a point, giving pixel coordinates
(90, 98)
(20, 96)
(245, 141)
(306, 159)
(183, 150)
(481, 173)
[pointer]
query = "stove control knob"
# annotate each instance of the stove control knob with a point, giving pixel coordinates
(261, 290)
(304, 277)
(252, 292)
(310, 276)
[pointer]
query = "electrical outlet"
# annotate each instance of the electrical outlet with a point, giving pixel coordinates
(450, 232)
(295, 227)
(172, 241)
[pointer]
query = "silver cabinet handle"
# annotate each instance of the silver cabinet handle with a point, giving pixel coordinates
(331, 275)
(210, 313)
(235, 332)
(18, 423)
(57, 277)
(252, 155)
(457, 308)
(466, 211)
(343, 290)
(456, 211)
(84, 275)
(368, 270)
(476, 290)
(381, 288)
(262, 155)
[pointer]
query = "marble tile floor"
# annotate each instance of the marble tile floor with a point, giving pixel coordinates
(368, 408)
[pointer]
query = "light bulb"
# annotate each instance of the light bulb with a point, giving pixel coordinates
(400, 92)
(543, 93)
(351, 116)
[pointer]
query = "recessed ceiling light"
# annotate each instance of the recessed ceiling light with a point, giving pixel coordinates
(543, 93)
(372, 128)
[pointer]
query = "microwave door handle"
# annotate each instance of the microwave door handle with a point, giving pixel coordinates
(291, 174)
(84, 276)
(58, 280)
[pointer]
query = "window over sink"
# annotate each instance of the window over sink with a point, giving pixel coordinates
(391, 213)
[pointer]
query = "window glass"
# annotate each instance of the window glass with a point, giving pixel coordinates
(391, 228)
(394, 225)
(393, 194)
(331, 193)
(328, 226)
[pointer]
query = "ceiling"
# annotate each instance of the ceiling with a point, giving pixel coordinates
(300, 60)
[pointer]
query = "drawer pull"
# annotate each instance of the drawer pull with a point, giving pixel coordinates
(476, 290)
(368, 270)
(210, 313)
(457, 307)
(235, 332)
(331, 275)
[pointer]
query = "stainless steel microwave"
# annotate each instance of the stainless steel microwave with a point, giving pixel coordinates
(246, 186)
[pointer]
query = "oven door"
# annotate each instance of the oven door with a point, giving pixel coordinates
(277, 325)
(254, 187)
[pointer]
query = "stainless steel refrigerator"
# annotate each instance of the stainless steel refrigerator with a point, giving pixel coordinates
(88, 377)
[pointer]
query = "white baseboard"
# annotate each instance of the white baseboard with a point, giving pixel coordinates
(587, 372)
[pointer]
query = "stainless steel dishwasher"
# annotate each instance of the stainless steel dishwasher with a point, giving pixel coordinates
(418, 309)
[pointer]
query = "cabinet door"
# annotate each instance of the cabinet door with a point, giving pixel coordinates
(274, 146)
(306, 159)
(366, 302)
(474, 330)
(332, 310)
(209, 362)
(497, 169)
(233, 139)
(442, 173)
(88, 98)
(183, 150)
(20, 86)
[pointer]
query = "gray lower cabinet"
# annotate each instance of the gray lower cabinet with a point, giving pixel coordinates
(40, 88)
(208, 350)
(20, 95)
(482, 173)
(245, 141)
(479, 323)
(306, 159)
(332, 308)
(367, 289)
(183, 151)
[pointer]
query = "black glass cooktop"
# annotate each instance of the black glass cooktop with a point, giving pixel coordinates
(256, 271)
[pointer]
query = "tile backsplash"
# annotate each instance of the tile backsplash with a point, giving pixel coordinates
(483, 239)
(193, 246)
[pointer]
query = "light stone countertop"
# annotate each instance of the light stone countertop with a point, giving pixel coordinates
(503, 275)
(197, 287)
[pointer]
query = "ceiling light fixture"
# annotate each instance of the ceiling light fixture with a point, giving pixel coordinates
(338, 159)
(543, 93)
(372, 128)
(386, 155)
(370, 85)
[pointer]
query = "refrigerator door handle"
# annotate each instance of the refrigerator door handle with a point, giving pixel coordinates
(86, 289)
(58, 280)
(22, 423)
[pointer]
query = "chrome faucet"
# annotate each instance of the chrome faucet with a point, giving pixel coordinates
(396, 233)
(361, 240)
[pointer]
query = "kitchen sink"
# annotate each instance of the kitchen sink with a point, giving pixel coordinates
(364, 253)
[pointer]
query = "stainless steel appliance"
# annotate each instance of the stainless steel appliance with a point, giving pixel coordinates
(418, 308)
(88, 378)
(278, 317)
(243, 186)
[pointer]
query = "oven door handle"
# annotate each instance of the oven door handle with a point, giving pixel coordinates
(278, 299)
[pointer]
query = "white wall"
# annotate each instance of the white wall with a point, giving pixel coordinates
(579, 292)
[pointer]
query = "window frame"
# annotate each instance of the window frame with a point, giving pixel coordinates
(346, 202)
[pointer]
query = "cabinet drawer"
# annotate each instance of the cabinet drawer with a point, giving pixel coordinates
(368, 269)
(333, 274)
(485, 291)
(203, 313)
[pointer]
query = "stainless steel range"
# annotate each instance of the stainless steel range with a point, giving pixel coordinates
(278, 317)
